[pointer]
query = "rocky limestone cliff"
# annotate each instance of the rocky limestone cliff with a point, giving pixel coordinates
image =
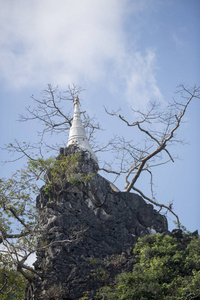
(106, 223)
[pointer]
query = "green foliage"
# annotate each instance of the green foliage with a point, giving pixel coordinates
(101, 275)
(18, 215)
(182, 227)
(57, 172)
(19, 219)
(87, 295)
(18, 230)
(165, 269)
(12, 283)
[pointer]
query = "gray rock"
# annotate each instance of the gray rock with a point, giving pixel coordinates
(110, 222)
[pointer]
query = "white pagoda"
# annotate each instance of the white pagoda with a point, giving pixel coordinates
(77, 134)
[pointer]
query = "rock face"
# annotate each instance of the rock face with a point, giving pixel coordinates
(105, 224)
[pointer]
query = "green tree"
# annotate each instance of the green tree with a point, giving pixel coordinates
(12, 283)
(19, 219)
(165, 269)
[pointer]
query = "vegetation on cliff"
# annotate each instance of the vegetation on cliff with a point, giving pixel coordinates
(19, 218)
(165, 268)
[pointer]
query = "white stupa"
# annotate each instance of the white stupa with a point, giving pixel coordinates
(77, 134)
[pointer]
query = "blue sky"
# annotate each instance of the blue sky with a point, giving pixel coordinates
(124, 54)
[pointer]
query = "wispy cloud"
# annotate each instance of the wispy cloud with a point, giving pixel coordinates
(73, 41)
(141, 82)
(179, 37)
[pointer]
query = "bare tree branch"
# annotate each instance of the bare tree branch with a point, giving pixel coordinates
(156, 142)
(168, 208)
(54, 111)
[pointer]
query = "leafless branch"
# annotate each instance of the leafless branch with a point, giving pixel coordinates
(168, 208)
(157, 140)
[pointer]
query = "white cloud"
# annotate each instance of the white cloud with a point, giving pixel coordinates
(179, 37)
(58, 41)
(141, 82)
(73, 41)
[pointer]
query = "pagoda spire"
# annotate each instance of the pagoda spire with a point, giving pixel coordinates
(77, 134)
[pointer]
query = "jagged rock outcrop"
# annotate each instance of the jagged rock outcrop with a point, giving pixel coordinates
(106, 223)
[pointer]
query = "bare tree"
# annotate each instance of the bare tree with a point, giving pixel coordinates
(54, 111)
(157, 125)
(159, 129)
